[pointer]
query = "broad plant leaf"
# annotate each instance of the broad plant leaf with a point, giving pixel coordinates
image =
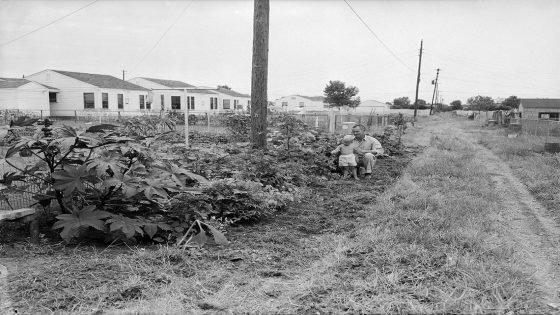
(128, 226)
(86, 217)
(71, 178)
(150, 229)
(199, 239)
(109, 160)
(218, 237)
(128, 184)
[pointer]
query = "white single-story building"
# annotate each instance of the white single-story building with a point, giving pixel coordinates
(299, 103)
(25, 95)
(86, 94)
(166, 94)
(540, 108)
(230, 100)
(371, 107)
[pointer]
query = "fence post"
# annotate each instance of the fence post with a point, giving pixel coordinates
(76, 115)
(207, 122)
(41, 114)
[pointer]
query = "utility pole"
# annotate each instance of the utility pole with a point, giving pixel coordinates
(418, 81)
(259, 77)
(434, 94)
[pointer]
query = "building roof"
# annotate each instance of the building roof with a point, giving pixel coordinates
(170, 83)
(201, 91)
(314, 98)
(231, 92)
(11, 83)
(102, 80)
(540, 103)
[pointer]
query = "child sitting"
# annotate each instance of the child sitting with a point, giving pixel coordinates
(347, 159)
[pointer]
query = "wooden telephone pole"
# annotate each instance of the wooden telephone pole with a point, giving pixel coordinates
(259, 77)
(418, 81)
(435, 88)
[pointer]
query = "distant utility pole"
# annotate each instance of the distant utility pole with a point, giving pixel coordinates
(418, 80)
(123, 74)
(259, 78)
(434, 94)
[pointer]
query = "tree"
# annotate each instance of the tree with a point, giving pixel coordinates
(481, 103)
(338, 95)
(224, 87)
(401, 102)
(511, 102)
(422, 104)
(456, 105)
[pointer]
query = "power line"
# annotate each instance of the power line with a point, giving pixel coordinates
(377, 37)
(163, 35)
(49, 24)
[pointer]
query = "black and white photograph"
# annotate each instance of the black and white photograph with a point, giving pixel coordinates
(279, 157)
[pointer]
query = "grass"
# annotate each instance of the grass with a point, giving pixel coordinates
(538, 170)
(414, 239)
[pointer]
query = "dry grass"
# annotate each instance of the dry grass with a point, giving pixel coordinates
(424, 245)
(538, 170)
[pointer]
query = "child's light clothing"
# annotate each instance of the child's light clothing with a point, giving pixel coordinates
(347, 160)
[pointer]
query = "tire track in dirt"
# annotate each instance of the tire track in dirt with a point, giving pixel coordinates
(526, 226)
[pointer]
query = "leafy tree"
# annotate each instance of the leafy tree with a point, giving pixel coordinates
(456, 105)
(511, 102)
(481, 103)
(422, 104)
(225, 87)
(337, 94)
(401, 102)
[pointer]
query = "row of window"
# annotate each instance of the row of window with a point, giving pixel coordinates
(301, 104)
(89, 102)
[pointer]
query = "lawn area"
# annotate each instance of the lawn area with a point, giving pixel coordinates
(421, 236)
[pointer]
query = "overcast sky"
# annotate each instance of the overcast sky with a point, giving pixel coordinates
(486, 47)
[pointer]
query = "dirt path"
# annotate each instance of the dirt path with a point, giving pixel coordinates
(525, 225)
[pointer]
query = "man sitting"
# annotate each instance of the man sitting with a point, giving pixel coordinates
(366, 148)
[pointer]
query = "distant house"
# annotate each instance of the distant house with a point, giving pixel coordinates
(371, 107)
(540, 108)
(79, 93)
(298, 103)
(26, 95)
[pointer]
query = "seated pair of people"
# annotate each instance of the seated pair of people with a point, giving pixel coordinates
(358, 149)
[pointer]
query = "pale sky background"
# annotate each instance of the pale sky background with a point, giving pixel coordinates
(486, 47)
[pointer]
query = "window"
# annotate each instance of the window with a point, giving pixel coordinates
(551, 116)
(301, 104)
(89, 100)
(104, 100)
(162, 100)
(142, 105)
(284, 104)
(236, 104)
(148, 103)
(52, 97)
(190, 102)
(120, 101)
(213, 103)
(175, 102)
(226, 104)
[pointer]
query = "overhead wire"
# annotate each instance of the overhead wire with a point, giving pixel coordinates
(163, 35)
(377, 37)
(49, 24)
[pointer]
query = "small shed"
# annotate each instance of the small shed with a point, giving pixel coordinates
(540, 108)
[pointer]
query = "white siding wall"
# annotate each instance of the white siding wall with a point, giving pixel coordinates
(33, 96)
(293, 104)
(8, 99)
